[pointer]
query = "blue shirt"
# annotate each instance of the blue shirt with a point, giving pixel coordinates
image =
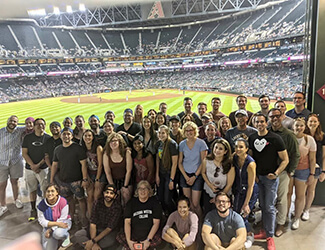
(292, 113)
(192, 157)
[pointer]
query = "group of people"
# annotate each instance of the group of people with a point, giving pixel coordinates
(203, 172)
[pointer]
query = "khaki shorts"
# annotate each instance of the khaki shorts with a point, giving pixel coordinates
(14, 171)
(32, 179)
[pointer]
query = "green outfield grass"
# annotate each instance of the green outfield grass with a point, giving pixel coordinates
(53, 109)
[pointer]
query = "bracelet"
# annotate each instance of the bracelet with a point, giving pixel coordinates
(150, 240)
(93, 240)
(97, 180)
(312, 174)
(85, 179)
(323, 171)
(276, 174)
(171, 179)
(126, 186)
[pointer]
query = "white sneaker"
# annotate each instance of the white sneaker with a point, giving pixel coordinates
(3, 210)
(305, 215)
(66, 242)
(249, 241)
(295, 224)
(18, 204)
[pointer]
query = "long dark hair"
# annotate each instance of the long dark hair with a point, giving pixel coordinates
(166, 156)
(152, 132)
(144, 151)
(227, 159)
(94, 143)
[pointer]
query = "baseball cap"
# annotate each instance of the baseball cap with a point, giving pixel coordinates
(241, 111)
(174, 118)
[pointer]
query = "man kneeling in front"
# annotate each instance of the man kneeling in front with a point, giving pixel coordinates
(223, 228)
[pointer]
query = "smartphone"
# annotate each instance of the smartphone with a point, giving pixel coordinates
(138, 246)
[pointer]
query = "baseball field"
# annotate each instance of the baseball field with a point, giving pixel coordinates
(56, 109)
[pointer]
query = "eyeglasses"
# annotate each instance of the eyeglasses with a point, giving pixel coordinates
(274, 116)
(143, 189)
(112, 141)
(189, 130)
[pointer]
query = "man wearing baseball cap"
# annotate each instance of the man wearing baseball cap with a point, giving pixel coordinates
(234, 133)
(129, 127)
(104, 221)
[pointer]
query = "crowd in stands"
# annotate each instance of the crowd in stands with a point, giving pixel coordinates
(280, 21)
(190, 179)
(278, 82)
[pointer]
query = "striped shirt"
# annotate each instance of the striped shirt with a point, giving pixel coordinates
(10, 146)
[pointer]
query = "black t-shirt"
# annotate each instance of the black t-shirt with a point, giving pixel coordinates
(142, 215)
(194, 115)
(50, 145)
(173, 149)
(265, 151)
(68, 159)
(133, 130)
(36, 148)
(101, 138)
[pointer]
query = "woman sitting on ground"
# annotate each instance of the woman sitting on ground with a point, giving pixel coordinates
(183, 234)
(142, 217)
(53, 215)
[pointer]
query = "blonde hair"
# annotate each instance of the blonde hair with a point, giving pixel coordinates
(190, 124)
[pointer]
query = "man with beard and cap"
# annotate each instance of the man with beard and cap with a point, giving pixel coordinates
(51, 144)
(129, 128)
(36, 168)
(105, 221)
(94, 124)
(223, 227)
(11, 161)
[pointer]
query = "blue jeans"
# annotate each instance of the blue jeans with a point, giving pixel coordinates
(165, 195)
(239, 202)
(267, 196)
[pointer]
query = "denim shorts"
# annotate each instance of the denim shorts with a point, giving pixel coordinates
(302, 175)
(197, 185)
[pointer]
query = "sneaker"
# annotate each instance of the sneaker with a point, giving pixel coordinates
(295, 224)
(249, 241)
(270, 243)
(33, 215)
(260, 235)
(18, 204)
(305, 215)
(66, 242)
(3, 210)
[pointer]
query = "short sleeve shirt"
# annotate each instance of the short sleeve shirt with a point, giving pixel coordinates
(265, 151)
(224, 228)
(173, 149)
(305, 147)
(192, 157)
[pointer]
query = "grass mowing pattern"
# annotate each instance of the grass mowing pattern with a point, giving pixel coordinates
(53, 109)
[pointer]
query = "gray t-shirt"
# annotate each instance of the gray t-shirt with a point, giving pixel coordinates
(234, 133)
(224, 228)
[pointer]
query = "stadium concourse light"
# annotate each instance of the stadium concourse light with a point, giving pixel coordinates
(37, 12)
(82, 7)
(56, 10)
(69, 9)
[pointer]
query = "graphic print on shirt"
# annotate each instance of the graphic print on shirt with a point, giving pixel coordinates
(260, 144)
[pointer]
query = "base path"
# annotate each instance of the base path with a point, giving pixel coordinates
(97, 99)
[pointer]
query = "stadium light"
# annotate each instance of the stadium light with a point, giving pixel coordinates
(56, 10)
(82, 7)
(37, 12)
(69, 9)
